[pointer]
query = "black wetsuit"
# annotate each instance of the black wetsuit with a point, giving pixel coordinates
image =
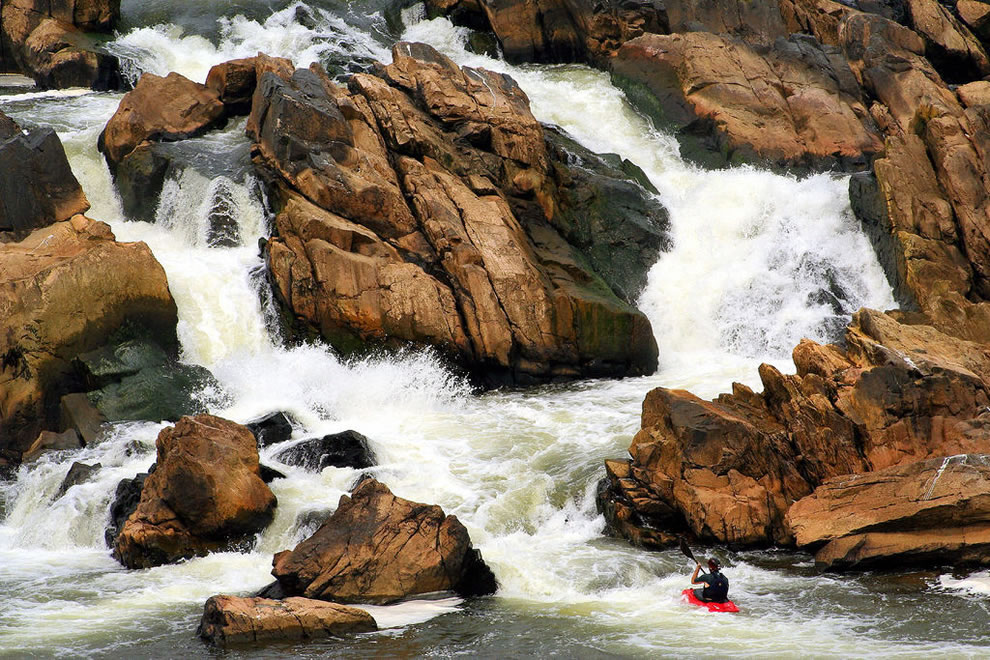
(716, 589)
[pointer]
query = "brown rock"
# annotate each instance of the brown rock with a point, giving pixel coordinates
(797, 106)
(48, 42)
(232, 620)
(975, 93)
(8, 127)
(938, 509)
(556, 30)
(51, 441)
(66, 292)
(950, 46)
(160, 109)
(976, 15)
(379, 548)
(206, 493)
(235, 81)
(728, 470)
(435, 194)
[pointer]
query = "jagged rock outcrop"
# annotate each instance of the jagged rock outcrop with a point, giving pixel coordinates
(67, 289)
(206, 493)
(37, 186)
(729, 470)
(797, 106)
(233, 620)
(50, 42)
(937, 510)
(418, 207)
(379, 548)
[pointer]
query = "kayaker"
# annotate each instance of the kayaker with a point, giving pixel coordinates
(716, 589)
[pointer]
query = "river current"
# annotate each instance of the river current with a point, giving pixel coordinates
(741, 285)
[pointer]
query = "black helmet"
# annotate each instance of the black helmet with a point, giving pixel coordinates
(714, 565)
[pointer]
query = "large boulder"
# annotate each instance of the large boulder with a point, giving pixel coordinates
(379, 548)
(37, 186)
(206, 493)
(796, 106)
(949, 45)
(232, 620)
(64, 290)
(729, 470)
(419, 207)
(160, 109)
(50, 42)
(932, 511)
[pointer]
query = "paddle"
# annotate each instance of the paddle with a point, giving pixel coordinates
(690, 555)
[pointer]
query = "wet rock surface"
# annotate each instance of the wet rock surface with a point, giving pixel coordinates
(231, 620)
(346, 449)
(206, 493)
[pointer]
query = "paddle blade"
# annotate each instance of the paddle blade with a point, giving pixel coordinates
(687, 551)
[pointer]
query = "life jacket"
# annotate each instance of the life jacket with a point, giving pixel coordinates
(717, 591)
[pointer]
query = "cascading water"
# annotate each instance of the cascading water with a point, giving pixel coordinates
(758, 261)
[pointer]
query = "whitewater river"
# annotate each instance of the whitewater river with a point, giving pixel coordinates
(751, 252)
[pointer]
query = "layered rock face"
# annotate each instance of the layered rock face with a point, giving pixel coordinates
(421, 206)
(742, 469)
(66, 289)
(50, 42)
(797, 106)
(379, 548)
(233, 620)
(205, 493)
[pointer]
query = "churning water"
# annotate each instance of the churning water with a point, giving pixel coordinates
(758, 262)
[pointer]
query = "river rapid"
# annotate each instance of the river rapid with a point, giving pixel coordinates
(752, 253)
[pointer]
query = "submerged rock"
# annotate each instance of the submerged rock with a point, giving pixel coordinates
(379, 548)
(346, 449)
(78, 473)
(232, 620)
(271, 429)
(205, 494)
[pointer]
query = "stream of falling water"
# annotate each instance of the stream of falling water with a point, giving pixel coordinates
(519, 467)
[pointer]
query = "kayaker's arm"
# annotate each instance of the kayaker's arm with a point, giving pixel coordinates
(694, 576)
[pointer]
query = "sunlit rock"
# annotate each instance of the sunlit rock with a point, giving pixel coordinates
(206, 493)
(233, 620)
(379, 548)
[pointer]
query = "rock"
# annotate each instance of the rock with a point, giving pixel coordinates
(37, 187)
(160, 109)
(271, 429)
(797, 107)
(231, 620)
(556, 30)
(8, 127)
(50, 42)
(937, 510)
(976, 15)
(728, 470)
(234, 83)
(114, 361)
(51, 441)
(413, 209)
(949, 45)
(79, 413)
(205, 494)
(976, 93)
(78, 473)
(379, 548)
(125, 502)
(67, 289)
(161, 392)
(269, 474)
(347, 449)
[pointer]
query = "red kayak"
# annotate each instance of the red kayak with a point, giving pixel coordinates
(727, 606)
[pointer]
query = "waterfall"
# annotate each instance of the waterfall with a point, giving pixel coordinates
(758, 261)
